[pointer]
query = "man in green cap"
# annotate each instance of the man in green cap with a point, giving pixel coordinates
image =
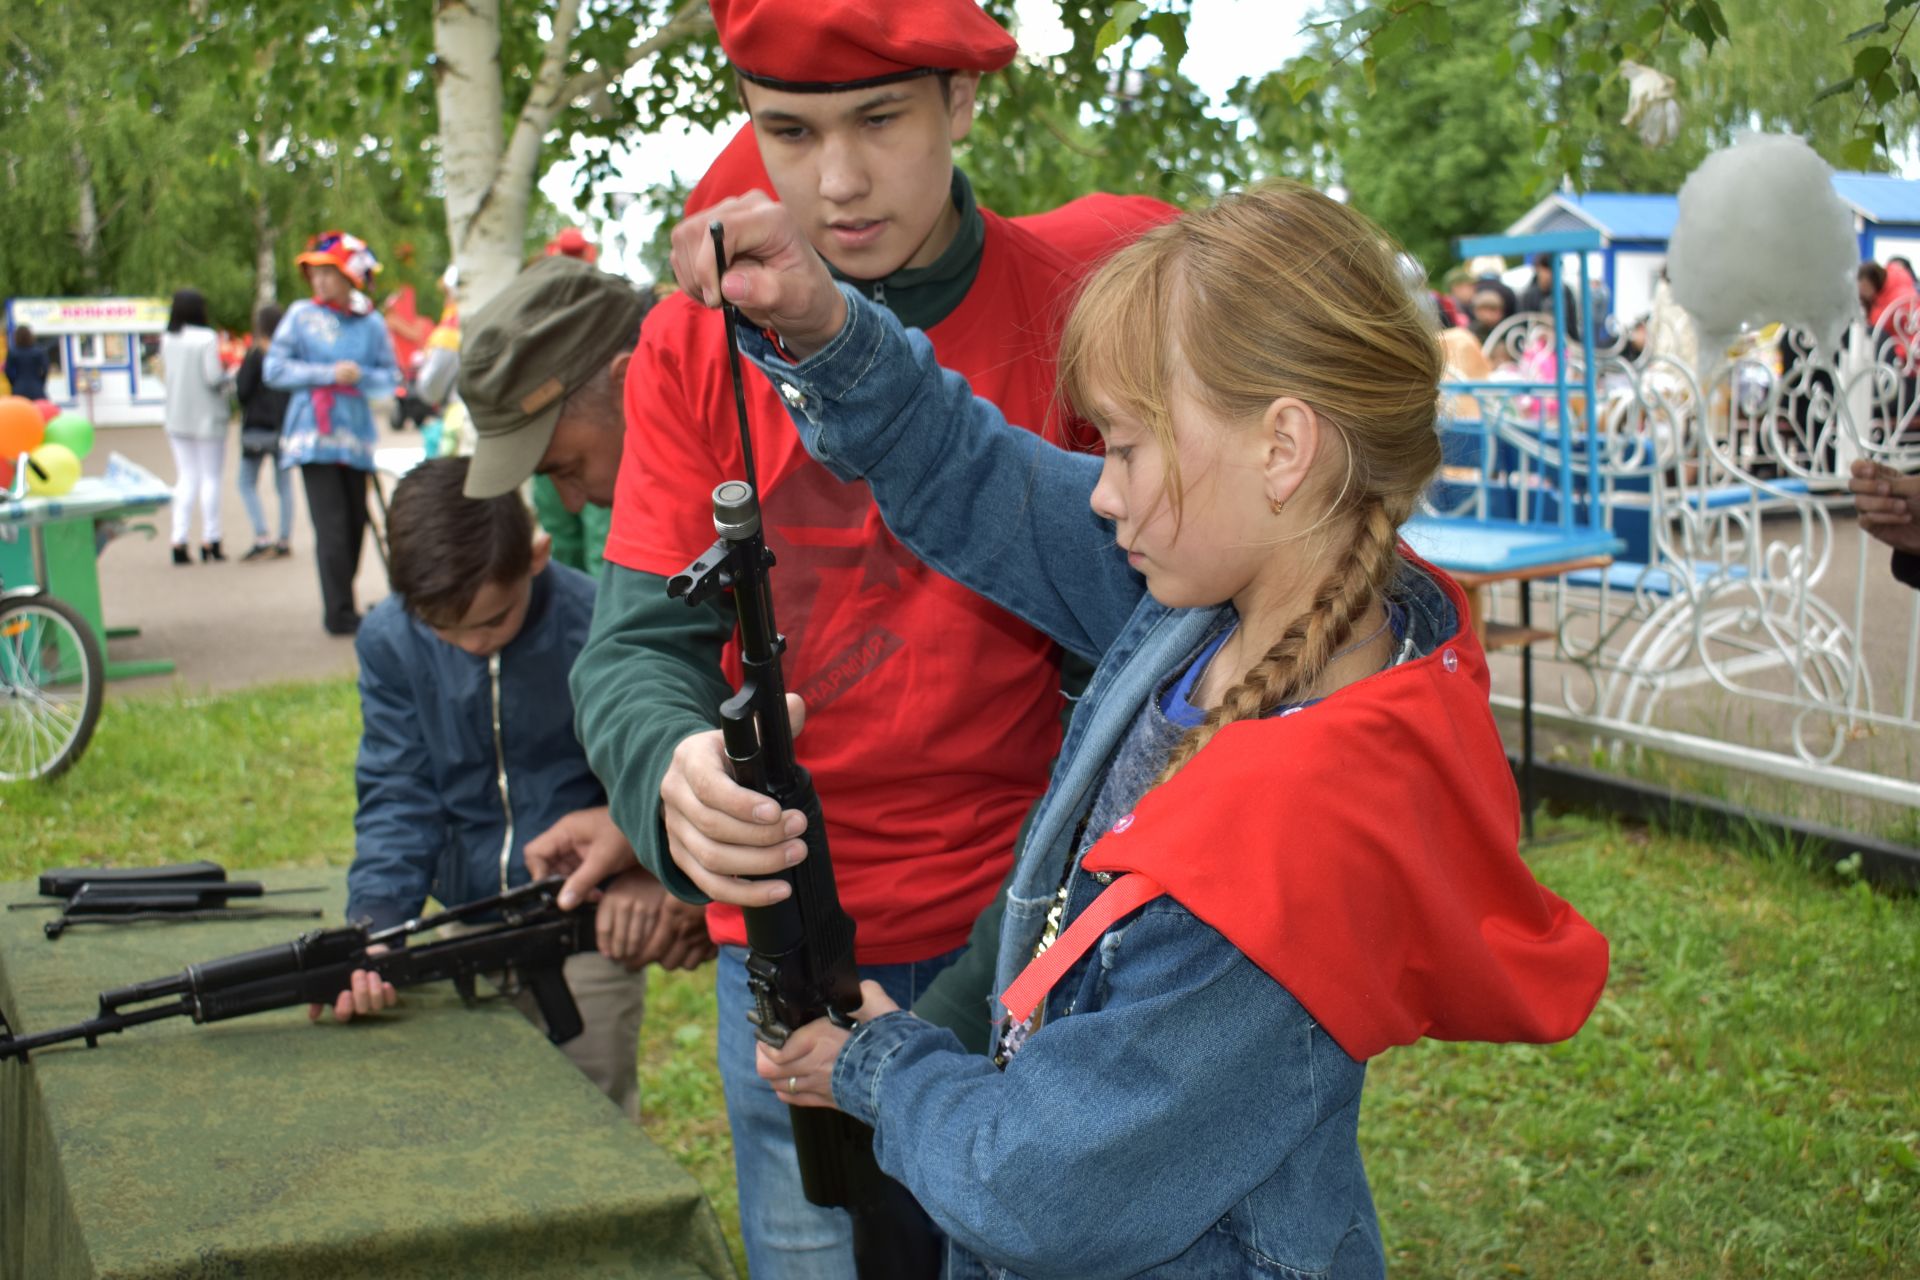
(542, 371)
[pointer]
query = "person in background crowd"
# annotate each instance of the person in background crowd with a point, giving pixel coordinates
(263, 410)
(196, 421)
(1893, 319)
(1538, 295)
(1888, 294)
(333, 354)
(573, 243)
(27, 364)
(1889, 507)
(1459, 287)
(1489, 308)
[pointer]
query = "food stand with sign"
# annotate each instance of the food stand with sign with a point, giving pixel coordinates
(106, 354)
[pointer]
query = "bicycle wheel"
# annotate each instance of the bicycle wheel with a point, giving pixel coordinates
(51, 673)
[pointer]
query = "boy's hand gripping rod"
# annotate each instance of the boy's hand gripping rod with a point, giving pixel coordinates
(801, 963)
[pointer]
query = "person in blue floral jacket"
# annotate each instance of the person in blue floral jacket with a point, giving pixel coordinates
(333, 354)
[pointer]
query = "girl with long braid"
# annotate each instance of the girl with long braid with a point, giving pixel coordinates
(1282, 834)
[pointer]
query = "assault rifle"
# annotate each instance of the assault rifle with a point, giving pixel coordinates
(800, 965)
(531, 940)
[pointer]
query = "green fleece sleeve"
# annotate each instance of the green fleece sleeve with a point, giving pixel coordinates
(648, 677)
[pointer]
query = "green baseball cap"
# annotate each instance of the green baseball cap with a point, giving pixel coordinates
(538, 341)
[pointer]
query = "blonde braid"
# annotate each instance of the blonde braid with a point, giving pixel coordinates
(1297, 661)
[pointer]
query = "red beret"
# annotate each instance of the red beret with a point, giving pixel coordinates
(825, 46)
(573, 243)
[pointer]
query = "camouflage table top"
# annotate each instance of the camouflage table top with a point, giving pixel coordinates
(434, 1141)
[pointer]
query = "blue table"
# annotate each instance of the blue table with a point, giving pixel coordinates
(1479, 553)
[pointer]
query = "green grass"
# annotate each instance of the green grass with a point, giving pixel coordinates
(1744, 1103)
(682, 1106)
(255, 779)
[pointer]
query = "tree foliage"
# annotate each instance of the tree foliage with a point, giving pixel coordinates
(1449, 117)
(1113, 113)
(1838, 73)
(142, 148)
(101, 105)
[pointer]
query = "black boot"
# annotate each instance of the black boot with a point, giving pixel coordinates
(180, 555)
(210, 551)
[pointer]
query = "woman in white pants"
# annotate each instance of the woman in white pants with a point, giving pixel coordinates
(196, 421)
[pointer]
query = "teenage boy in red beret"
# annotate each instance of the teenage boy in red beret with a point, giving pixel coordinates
(932, 715)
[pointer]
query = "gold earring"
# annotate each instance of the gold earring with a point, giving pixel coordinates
(1277, 505)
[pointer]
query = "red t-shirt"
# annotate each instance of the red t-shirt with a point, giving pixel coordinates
(932, 715)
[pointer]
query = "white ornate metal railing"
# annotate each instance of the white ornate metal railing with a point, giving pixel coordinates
(1748, 623)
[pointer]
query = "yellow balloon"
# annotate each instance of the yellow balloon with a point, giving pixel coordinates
(52, 469)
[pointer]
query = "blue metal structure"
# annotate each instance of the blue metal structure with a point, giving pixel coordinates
(1512, 530)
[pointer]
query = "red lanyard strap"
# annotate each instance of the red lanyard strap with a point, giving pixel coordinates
(1126, 894)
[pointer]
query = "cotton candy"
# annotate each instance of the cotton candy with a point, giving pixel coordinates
(1762, 237)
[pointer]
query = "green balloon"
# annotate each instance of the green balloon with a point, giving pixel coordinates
(72, 430)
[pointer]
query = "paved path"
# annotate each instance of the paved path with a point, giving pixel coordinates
(224, 626)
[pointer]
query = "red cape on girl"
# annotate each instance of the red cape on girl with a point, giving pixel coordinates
(1364, 853)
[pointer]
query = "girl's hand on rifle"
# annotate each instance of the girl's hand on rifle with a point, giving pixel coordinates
(774, 276)
(369, 993)
(801, 1070)
(719, 831)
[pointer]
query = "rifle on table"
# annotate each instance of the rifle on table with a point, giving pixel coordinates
(801, 964)
(532, 940)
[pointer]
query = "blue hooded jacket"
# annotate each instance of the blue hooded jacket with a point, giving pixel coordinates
(449, 792)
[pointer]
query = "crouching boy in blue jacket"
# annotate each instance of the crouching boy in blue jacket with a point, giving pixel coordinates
(467, 753)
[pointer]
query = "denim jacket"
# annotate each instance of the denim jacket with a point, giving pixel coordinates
(1179, 1113)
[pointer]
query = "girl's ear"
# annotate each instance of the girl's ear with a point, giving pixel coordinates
(542, 551)
(1291, 435)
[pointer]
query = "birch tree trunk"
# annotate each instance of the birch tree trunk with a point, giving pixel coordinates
(266, 288)
(490, 177)
(86, 222)
(482, 233)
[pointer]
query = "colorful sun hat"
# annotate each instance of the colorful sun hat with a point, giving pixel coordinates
(338, 249)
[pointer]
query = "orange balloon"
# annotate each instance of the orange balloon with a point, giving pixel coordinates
(21, 429)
